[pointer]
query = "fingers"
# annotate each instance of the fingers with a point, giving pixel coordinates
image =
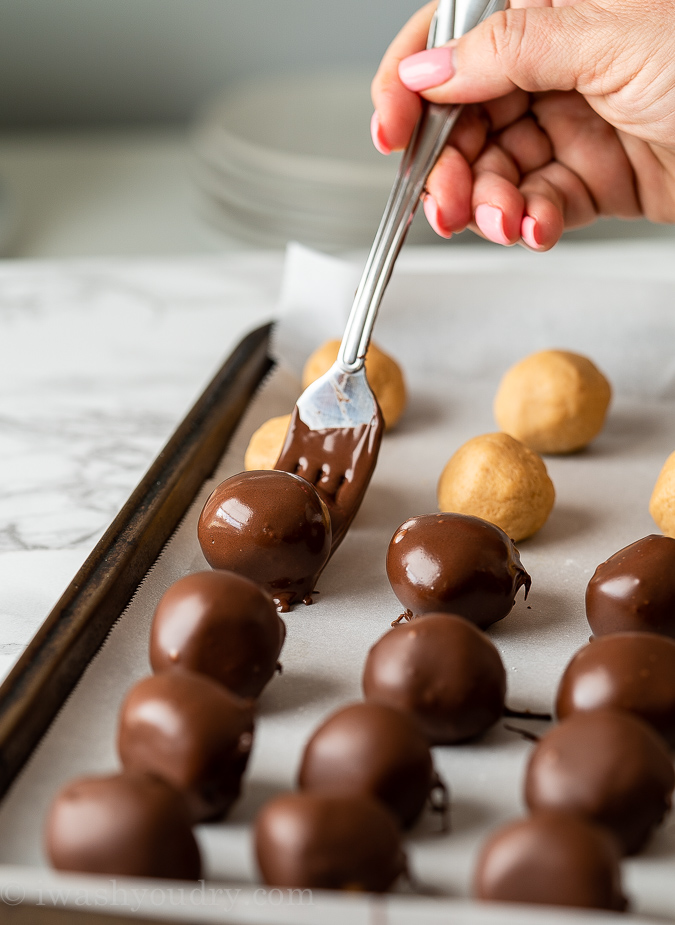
(536, 48)
(396, 107)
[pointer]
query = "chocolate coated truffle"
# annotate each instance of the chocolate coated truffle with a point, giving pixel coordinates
(443, 671)
(374, 750)
(455, 563)
(128, 825)
(623, 671)
(191, 732)
(607, 766)
(219, 624)
(551, 858)
(270, 526)
(323, 841)
(635, 589)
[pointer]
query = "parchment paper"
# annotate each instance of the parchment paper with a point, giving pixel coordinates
(455, 325)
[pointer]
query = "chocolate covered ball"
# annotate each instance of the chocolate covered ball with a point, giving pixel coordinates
(607, 766)
(191, 732)
(373, 750)
(623, 671)
(455, 563)
(218, 624)
(635, 589)
(555, 859)
(331, 842)
(441, 670)
(128, 825)
(271, 527)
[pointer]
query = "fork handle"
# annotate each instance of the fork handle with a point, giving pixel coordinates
(451, 19)
(424, 148)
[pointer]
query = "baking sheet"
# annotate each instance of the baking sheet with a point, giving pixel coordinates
(455, 328)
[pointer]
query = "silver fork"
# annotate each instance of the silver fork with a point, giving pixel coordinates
(336, 426)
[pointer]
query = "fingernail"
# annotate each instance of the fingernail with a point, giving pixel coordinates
(377, 135)
(528, 232)
(490, 220)
(433, 215)
(427, 68)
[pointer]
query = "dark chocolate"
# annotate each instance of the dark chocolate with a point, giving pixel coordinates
(373, 750)
(128, 825)
(218, 624)
(623, 671)
(339, 462)
(551, 858)
(191, 732)
(271, 527)
(454, 563)
(442, 670)
(332, 842)
(607, 766)
(635, 589)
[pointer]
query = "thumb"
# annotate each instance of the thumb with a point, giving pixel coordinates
(535, 49)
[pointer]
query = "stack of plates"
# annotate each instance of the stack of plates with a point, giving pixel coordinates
(291, 159)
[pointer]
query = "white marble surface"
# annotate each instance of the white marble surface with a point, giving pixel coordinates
(99, 360)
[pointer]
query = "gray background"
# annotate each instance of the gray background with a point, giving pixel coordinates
(125, 62)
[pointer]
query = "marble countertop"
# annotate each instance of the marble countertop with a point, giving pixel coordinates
(99, 361)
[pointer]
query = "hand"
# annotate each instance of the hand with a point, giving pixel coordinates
(579, 120)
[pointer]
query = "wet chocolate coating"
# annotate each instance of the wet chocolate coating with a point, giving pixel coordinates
(455, 563)
(339, 462)
(442, 670)
(191, 732)
(635, 589)
(128, 825)
(607, 766)
(623, 671)
(373, 750)
(551, 858)
(219, 624)
(270, 526)
(322, 841)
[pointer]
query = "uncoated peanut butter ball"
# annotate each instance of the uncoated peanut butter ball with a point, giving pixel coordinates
(662, 504)
(496, 477)
(265, 445)
(382, 371)
(553, 401)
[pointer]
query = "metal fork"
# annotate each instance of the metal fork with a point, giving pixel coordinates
(336, 426)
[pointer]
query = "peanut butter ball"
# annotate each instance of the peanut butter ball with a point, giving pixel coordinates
(265, 445)
(382, 371)
(553, 401)
(497, 478)
(662, 504)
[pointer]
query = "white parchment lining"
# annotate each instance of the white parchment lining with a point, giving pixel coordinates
(455, 329)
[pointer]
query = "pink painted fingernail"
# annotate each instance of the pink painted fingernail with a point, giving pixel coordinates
(427, 68)
(433, 215)
(490, 220)
(528, 232)
(377, 135)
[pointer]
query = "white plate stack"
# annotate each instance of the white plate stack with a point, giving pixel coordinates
(291, 159)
